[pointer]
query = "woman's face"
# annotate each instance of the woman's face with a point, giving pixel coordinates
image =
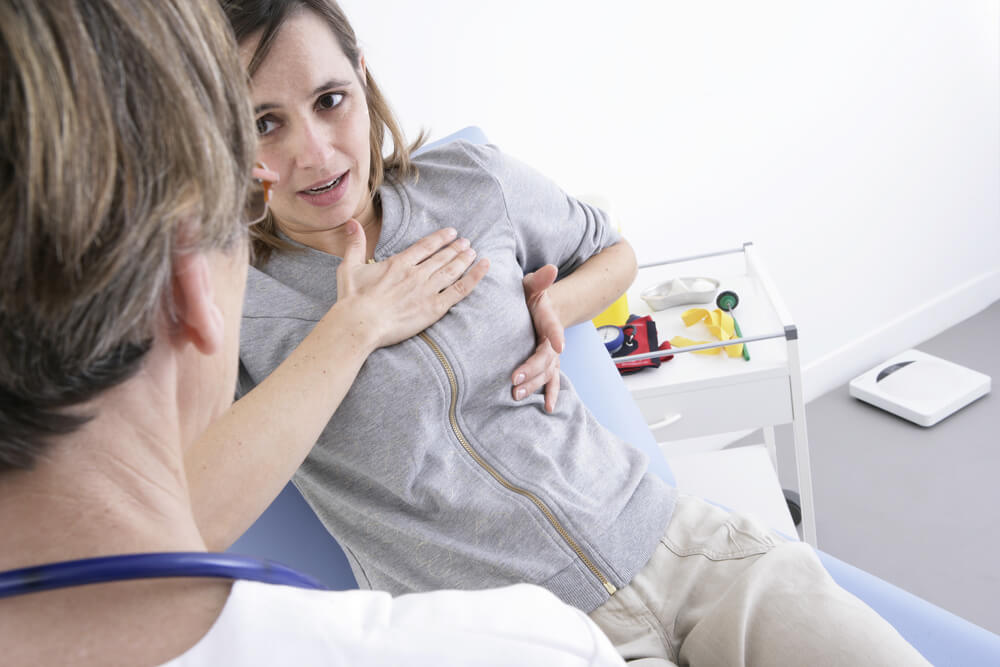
(312, 117)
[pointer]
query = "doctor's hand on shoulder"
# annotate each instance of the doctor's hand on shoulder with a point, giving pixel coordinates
(542, 367)
(401, 296)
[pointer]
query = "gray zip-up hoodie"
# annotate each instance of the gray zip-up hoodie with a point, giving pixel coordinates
(429, 474)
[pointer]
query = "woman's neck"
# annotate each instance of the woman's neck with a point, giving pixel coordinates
(335, 241)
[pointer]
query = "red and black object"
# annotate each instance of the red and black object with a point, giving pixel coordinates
(640, 337)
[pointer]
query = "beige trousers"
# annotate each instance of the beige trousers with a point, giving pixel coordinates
(722, 589)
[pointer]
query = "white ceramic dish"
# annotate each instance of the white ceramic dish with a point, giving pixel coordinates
(680, 291)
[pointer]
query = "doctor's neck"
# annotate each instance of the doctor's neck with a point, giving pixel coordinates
(117, 485)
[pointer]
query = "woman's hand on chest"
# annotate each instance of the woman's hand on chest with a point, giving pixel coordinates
(401, 296)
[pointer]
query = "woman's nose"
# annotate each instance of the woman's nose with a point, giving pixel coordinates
(315, 146)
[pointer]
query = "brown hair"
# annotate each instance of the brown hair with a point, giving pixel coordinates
(249, 17)
(126, 136)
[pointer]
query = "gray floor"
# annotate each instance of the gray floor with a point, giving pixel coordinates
(919, 507)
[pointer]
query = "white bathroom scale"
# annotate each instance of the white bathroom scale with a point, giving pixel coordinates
(920, 387)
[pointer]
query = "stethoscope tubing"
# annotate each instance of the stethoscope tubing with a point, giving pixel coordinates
(150, 566)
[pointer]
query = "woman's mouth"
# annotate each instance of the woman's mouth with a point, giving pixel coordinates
(324, 188)
(327, 192)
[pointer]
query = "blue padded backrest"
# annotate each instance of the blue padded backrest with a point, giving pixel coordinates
(472, 134)
(290, 533)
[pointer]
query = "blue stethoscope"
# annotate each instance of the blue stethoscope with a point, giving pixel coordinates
(150, 566)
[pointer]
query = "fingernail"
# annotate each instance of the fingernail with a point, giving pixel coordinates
(463, 243)
(451, 231)
(519, 379)
(470, 252)
(520, 394)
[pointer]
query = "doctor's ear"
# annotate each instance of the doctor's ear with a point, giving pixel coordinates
(197, 319)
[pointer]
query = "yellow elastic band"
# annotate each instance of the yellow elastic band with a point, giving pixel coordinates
(719, 324)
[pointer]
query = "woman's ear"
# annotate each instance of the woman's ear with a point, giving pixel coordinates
(197, 318)
(364, 67)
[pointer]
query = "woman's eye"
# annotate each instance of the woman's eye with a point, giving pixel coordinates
(329, 100)
(265, 125)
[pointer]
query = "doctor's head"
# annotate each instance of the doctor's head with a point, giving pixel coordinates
(321, 118)
(126, 144)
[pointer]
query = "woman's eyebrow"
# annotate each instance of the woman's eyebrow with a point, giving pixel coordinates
(332, 83)
(326, 85)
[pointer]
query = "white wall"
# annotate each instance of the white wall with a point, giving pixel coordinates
(857, 143)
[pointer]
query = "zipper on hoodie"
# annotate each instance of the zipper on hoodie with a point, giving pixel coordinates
(449, 371)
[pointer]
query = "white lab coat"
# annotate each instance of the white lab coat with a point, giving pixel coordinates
(264, 624)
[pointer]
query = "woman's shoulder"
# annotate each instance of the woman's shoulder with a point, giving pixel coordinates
(459, 153)
(473, 165)
(456, 169)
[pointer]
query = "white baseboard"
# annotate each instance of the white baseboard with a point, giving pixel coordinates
(910, 329)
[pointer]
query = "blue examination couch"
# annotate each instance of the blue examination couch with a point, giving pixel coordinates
(289, 532)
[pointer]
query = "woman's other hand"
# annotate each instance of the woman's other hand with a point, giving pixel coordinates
(399, 297)
(542, 367)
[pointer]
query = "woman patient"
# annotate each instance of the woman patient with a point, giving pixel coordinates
(126, 143)
(458, 458)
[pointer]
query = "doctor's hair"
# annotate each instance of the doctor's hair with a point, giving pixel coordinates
(126, 138)
(250, 18)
